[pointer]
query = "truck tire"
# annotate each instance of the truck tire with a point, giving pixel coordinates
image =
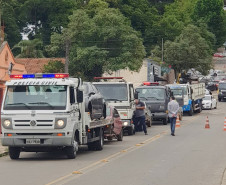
(199, 110)
(100, 143)
(180, 116)
(91, 146)
(120, 136)
(109, 138)
(149, 123)
(191, 112)
(164, 121)
(71, 151)
(130, 131)
(14, 152)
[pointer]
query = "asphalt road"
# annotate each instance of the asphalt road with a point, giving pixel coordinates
(195, 156)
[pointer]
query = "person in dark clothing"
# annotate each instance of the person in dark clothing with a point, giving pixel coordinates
(139, 116)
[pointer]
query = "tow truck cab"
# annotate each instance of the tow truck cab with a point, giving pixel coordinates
(40, 112)
(156, 98)
(120, 94)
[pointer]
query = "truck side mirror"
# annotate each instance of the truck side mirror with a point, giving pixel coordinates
(79, 96)
(171, 94)
(136, 95)
(72, 95)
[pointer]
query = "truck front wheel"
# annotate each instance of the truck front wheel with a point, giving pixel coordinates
(130, 131)
(164, 121)
(120, 136)
(14, 152)
(191, 111)
(149, 123)
(71, 151)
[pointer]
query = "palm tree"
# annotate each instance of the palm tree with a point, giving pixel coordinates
(30, 48)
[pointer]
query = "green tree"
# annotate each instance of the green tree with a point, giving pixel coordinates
(189, 50)
(100, 42)
(29, 49)
(143, 18)
(47, 17)
(54, 67)
(212, 13)
(10, 21)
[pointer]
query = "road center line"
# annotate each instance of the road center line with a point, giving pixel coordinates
(107, 159)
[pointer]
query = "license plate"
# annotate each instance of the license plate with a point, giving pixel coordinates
(33, 141)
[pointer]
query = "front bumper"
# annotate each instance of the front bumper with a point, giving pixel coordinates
(45, 141)
(186, 108)
(159, 116)
(221, 96)
(206, 106)
(127, 123)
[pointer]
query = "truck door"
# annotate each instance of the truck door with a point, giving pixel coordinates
(167, 92)
(131, 94)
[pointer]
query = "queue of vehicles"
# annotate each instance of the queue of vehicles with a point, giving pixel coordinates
(50, 112)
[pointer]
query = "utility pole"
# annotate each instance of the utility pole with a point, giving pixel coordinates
(162, 49)
(67, 55)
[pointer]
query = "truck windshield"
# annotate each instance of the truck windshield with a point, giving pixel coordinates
(151, 93)
(207, 98)
(177, 92)
(114, 92)
(36, 98)
(222, 85)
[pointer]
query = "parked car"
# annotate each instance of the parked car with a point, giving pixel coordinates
(218, 55)
(209, 102)
(212, 85)
(94, 101)
(208, 92)
(115, 131)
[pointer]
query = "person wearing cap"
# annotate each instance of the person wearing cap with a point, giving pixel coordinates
(173, 108)
(139, 115)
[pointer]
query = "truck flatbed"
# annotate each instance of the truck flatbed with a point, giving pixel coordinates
(99, 123)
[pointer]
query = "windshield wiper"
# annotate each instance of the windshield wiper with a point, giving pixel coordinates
(41, 103)
(154, 97)
(113, 99)
(20, 104)
(144, 97)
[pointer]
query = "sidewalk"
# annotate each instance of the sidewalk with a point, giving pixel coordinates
(3, 149)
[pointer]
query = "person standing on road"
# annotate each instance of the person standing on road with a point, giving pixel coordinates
(139, 115)
(173, 108)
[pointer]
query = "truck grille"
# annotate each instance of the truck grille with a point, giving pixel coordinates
(122, 107)
(153, 107)
(39, 123)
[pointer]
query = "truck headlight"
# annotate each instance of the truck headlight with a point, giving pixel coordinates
(60, 123)
(125, 123)
(161, 107)
(7, 124)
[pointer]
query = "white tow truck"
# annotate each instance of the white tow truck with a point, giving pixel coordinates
(45, 112)
(119, 94)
